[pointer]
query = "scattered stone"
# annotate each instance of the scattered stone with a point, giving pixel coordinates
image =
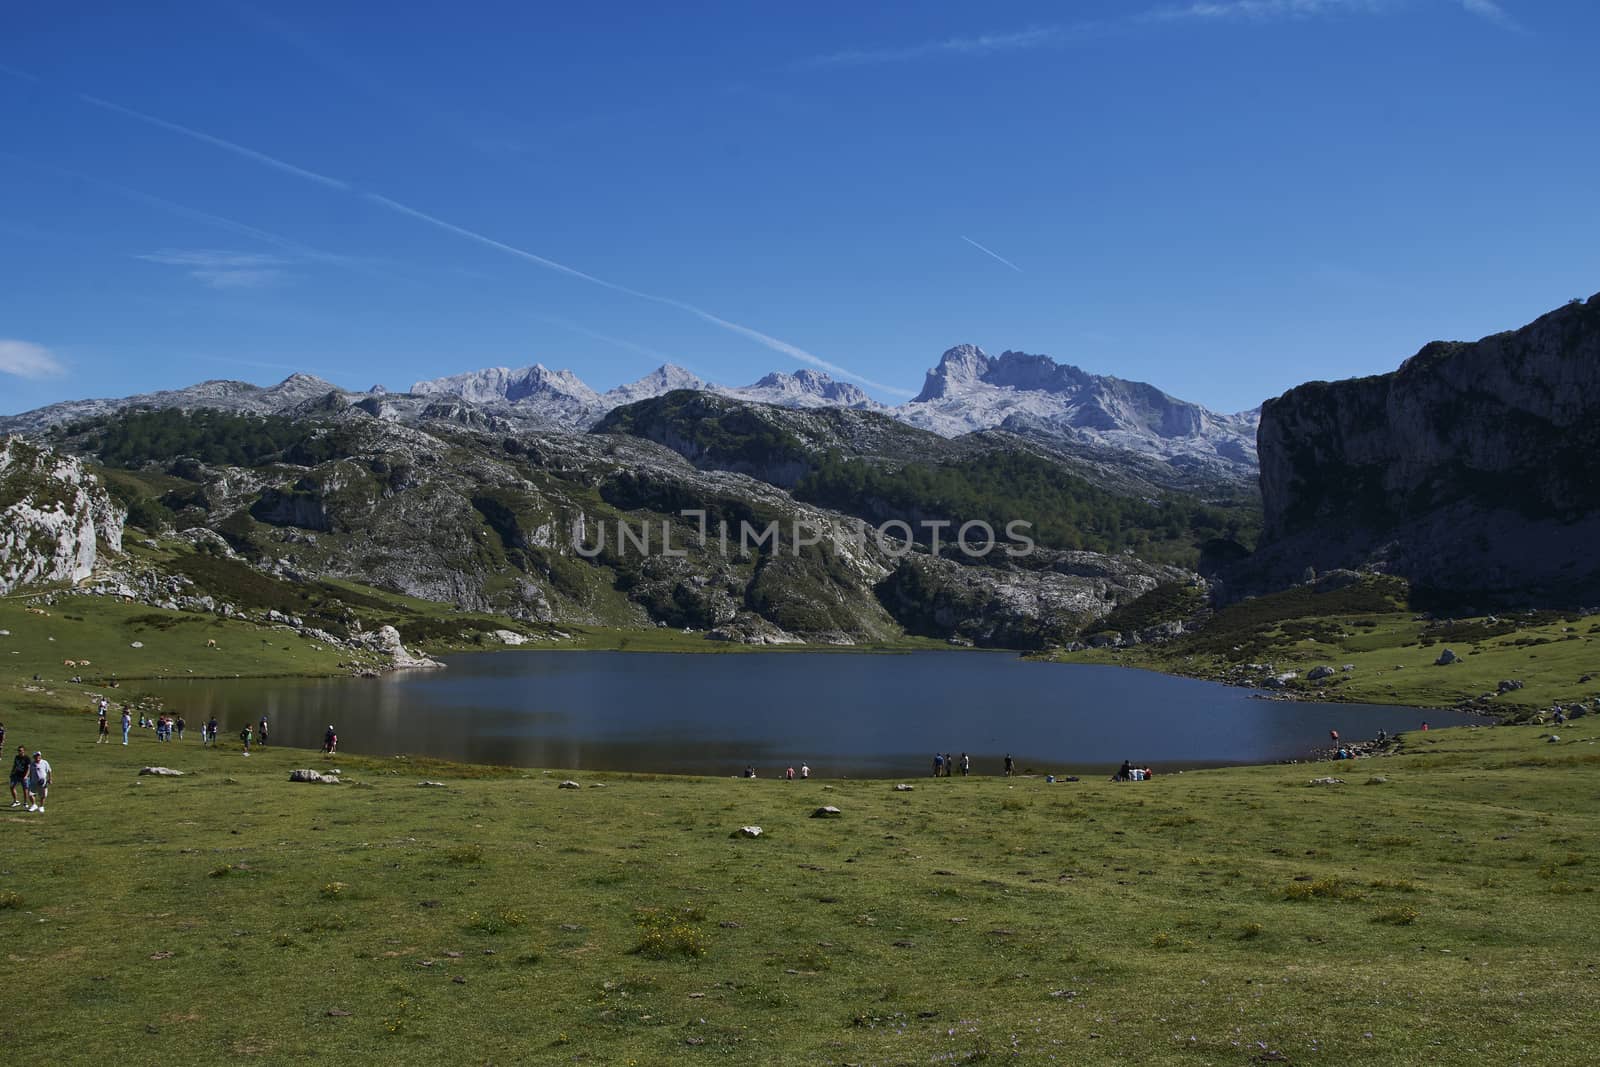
(1509, 685)
(161, 772)
(337, 1013)
(569, 784)
(432, 785)
(905, 944)
(1320, 672)
(459, 979)
(509, 637)
(728, 924)
(827, 811)
(1377, 779)
(136, 644)
(904, 788)
(747, 831)
(162, 955)
(1326, 781)
(306, 774)
(1446, 658)
(429, 903)
(1554, 739)
(453, 955)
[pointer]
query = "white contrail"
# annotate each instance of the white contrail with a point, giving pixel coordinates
(992, 254)
(767, 340)
(217, 142)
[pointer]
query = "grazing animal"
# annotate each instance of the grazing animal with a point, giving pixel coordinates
(69, 663)
(83, 663)
(211, 643)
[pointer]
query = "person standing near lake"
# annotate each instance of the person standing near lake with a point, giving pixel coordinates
(245, 736)
(938, 764)
(20, 765)
(180, 724)
(330, 742)
(103, 734)
(949, 765)
(966, 764)
(805, 770)
(210, 731)
(261, 732)
(38, 787)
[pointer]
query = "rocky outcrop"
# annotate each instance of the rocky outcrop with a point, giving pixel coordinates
(55, 518)
(1471, 470)
(1001, 606)
(386, 640)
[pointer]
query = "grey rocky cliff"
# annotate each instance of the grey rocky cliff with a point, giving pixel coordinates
(56, 520)
(1470, 470)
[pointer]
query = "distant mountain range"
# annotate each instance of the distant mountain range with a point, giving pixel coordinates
(968, 391)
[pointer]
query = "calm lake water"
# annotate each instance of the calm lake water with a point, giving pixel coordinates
(856, 714)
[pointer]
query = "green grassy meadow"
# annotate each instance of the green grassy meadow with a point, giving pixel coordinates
(1233, 916)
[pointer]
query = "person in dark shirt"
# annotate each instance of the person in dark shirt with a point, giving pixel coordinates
(19, 773)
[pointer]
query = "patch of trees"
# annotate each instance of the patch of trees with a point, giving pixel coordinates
(1067, 511)
(136, 438)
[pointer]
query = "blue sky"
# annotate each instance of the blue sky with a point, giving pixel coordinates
(1223, 197)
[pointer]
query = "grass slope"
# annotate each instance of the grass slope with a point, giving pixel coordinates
(1391, 650)
(1234, 916)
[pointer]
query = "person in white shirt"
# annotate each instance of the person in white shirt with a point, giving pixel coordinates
(38, 782)
(805, 770)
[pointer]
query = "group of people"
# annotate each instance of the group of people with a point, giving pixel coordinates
(944, 764)
(167, 726)
(32, 775)
(1129, 773)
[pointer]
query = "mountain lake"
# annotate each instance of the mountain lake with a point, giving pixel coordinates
(845, 714)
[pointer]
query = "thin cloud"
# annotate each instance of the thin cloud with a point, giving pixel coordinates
(1492, 11)
(991, 253)
(981, 44)
(24, 359)
(767, 340)
(1064, 33)
(1267, 10)
(217, 142)
(224, 270)
(620, 342)
(22, 75)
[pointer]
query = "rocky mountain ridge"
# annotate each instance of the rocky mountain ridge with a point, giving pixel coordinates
(1471, 470)
(967, 392)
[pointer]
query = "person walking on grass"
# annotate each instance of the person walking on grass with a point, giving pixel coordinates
(103, 734)
(245, 736)
(38, 787)
(261, 732)
(1010, 765)
(127, 723)
(330, 745)
(180, 725)
(210, 731)
(20, 765)
(938, 764)
(949, 765)
(966, 764)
